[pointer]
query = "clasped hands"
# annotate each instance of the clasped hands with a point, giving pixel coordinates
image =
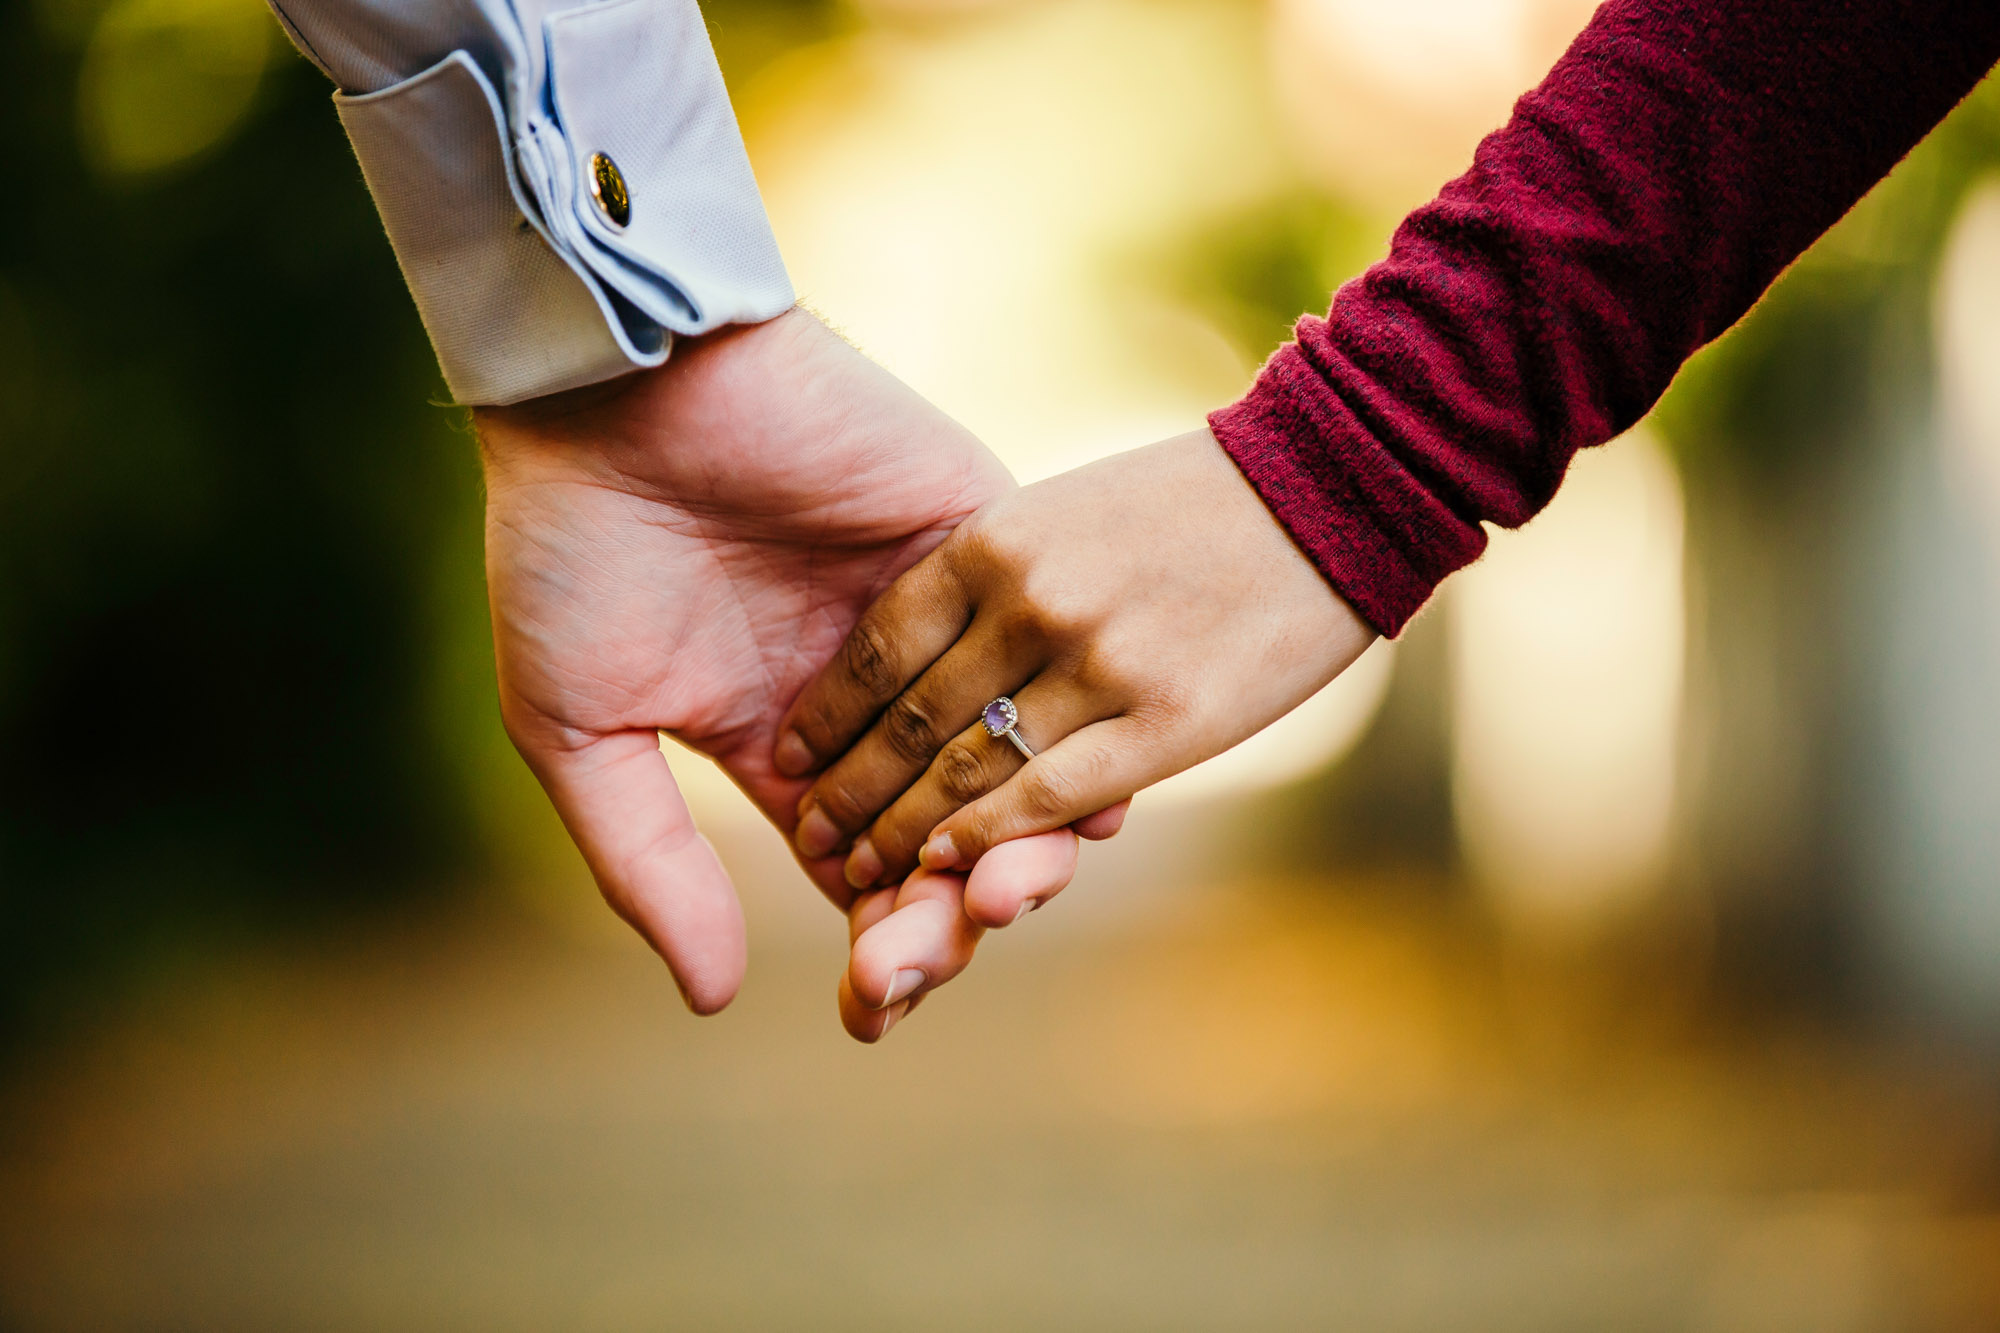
(778, 553)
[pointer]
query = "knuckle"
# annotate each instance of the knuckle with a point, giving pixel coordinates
(968, 554)
(1166, 701)
(1018, 628)
(970, 542)
(909, 730)
(1048, 794)
(1103, 671)
(838, 803)
(961, 773)
(1036, 623)
(1055, 615)
(869, 659)
(982, 539)
(991, 553)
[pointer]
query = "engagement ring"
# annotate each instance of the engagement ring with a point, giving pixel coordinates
(999, 720)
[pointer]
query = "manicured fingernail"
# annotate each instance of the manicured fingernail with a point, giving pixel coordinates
(940, 853)
(864, 866)
(817, 836)
(906, 980)
(890, 1019)
(792, 757)
(1026, 908)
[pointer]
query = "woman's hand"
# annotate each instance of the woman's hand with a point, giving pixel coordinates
(1143, 613)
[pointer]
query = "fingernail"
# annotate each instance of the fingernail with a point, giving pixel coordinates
(792, 757)
(940, 853)
(890, 1019)
(817, 836)
(1026, 908)
(864, 866)
(906, 980)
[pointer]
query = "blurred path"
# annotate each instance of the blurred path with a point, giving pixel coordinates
(1272, 1109)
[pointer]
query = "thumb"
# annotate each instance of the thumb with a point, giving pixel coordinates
(619, 801)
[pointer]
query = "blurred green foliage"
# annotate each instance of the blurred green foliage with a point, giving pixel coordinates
(1254, 273)
(221, 495)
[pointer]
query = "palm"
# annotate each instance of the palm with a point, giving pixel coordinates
(683, 551)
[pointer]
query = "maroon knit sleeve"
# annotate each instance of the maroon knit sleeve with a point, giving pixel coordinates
(1672, 164)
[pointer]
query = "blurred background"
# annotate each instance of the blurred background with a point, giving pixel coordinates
(1620, 948)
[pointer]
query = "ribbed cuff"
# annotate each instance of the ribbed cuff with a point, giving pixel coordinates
(1378, 535)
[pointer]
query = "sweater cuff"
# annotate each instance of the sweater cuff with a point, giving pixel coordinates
(1374, 531)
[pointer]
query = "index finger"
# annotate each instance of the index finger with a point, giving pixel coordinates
(909, 627)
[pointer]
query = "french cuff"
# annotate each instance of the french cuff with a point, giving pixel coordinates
(524, 280)
(510, 316)
(695, 251)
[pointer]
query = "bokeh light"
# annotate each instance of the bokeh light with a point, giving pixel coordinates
(1968, 338)
(1386, 101)
(1567, 643)
(165, 81)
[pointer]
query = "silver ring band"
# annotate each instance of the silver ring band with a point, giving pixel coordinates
(1001, 718)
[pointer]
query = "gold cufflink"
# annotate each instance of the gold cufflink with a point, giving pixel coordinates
(607, 187)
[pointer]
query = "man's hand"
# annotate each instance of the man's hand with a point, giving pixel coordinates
(682, 550)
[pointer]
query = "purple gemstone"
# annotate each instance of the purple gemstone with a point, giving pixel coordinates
(999, 716)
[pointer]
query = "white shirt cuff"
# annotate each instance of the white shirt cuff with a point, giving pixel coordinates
(481, 152)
